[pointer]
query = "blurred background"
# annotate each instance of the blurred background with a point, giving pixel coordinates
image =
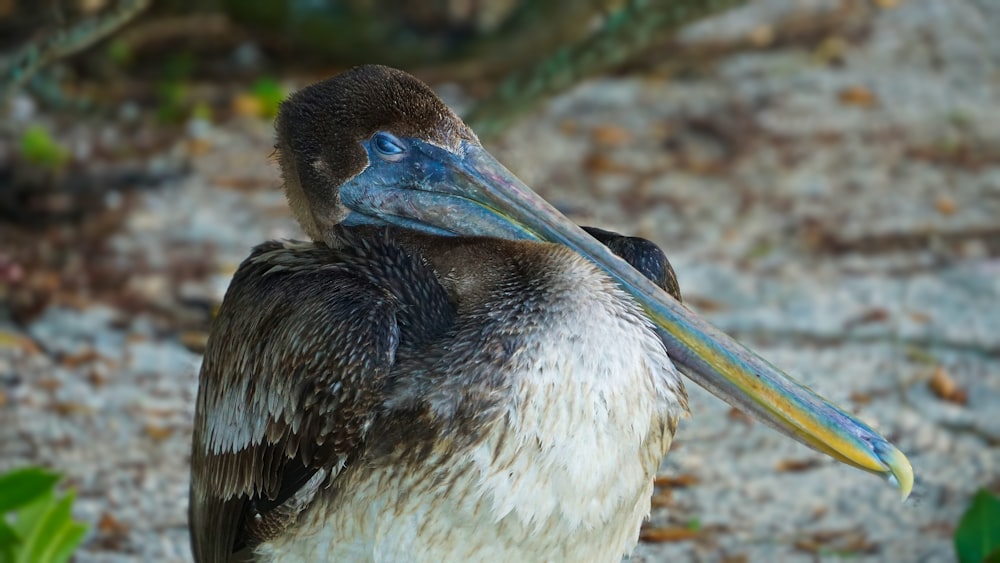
(824, 175)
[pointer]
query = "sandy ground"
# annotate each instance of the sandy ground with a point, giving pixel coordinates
(834, 203)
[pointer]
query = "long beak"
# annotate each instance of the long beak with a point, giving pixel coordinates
(708, 356)
(470, 193)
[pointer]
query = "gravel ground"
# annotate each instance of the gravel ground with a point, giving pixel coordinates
(833, 202)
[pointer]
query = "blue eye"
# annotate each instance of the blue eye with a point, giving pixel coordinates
(388, 146)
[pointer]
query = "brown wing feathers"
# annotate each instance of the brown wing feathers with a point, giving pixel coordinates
(300, 351)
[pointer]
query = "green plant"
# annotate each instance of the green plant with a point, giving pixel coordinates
(35, 521)
(977, 538)
(38, 147)
(269, 94)
(179, 66)
(171, 101)
(119, 51)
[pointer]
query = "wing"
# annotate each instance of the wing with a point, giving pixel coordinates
(293, 370)
(643, 255)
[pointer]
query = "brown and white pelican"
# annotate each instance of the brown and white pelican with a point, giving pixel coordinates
(451, 370)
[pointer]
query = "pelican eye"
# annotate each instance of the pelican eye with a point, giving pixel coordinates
(388, 146)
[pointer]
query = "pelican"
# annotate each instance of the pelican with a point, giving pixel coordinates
(451, 370)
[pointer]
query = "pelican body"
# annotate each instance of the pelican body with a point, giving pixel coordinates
(451, 370)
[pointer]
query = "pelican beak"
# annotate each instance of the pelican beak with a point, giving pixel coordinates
(467, 192)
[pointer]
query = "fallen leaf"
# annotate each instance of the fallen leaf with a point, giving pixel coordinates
(873, 315)
(857, 96)
(74, 361)
(568, 127)
(134, 337)
(841, 541)
(667, 534)
(65, 408)
(704, 304)
(247, 106)
(194, 340)
(681, 481)
(860, 398)
(158, 433)
(602, 163)
(796, 465)
(239, 183)
(662, 499)
(761, 36)
(10, 339)
(739, 416)
(108, 524)
(198, 147)
(97, 377)
(155, 412)
(945, 387)
(610, 135)
(945, 205)
(830, 50)
(49, 383)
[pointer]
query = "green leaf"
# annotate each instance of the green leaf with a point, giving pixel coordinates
(119, 52)
(30, 522)
(30, 516)
(23, 486)
(67, 542)
(977, 537)
(56, 517)
(62, 534)
(38, 147)
(35, 523)
(179, 66)
(9, 541)
(202, 111)
(171, 101)
(269, 93)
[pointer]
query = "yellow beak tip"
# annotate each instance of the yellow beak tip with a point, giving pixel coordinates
(900, 472)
